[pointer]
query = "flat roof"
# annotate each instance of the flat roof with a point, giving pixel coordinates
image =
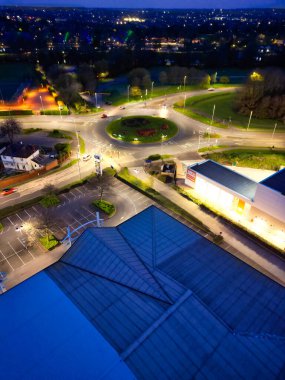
(276, 181)
(227, 177)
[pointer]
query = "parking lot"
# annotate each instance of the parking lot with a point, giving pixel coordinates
(75, 211)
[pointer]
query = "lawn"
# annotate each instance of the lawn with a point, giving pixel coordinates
(56, 133)
(201, 108)
(259, 159)
(142, 129)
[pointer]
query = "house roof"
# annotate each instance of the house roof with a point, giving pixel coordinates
(171, 304)
(276, 181)
(20, 150)
(227, 177)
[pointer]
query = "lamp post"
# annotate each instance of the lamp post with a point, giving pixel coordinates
(275, 126)
(152, 83)
(129, 92)
(184, 100)
(249, 120)
(213, 114)
(78, 146)
(96, 104)
(185, 77)
(42, 104)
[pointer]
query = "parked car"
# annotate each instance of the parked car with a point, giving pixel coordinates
(211, 89)
(122, 108)
(8, 191)
(104, 116)
(86, 157)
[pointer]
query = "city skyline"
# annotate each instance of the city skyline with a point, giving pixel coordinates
(169, 4)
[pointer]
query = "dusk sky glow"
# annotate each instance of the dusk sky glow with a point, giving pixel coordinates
(151, 3)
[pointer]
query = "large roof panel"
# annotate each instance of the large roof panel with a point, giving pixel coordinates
(227, 177)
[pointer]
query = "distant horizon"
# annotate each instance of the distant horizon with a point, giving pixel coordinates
(148, 4)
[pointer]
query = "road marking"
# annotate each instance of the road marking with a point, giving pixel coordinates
(26, 248)
(16, 253)
(20, 217)
(6, 259)
(36, 211)
(27, 213)
(10, 221)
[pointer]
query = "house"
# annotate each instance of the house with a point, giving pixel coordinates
(19, 156)
(148, 299)
(22, 157)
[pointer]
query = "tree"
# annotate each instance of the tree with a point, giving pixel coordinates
(224, 79)
(11, 127)
(163, 77)
(69, 88)
(214, 78)
(135, 91)
(87, 77)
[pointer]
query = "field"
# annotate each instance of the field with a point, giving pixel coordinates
(251, 158)
(201, 108)
(142, 129)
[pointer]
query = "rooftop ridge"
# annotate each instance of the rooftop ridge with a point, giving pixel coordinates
(125, 354)
(115, 282)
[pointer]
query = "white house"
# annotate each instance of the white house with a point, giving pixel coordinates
(19, 156)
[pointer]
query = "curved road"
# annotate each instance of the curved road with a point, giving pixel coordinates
(92, 129)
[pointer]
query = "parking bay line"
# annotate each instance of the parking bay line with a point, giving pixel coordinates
(26, 248)
(10, 220)
(16, 253)
(6, 259)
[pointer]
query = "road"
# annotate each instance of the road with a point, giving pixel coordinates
(92, 129)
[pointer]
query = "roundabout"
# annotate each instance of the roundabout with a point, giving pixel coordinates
(142, 129)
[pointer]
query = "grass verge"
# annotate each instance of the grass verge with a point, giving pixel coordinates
(105, 206)
(28, 131)
(49, 242)
(269, 159)
(50, 200)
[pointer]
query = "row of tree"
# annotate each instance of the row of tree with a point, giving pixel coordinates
(263, 94)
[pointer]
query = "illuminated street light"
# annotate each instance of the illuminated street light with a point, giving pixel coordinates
(275, 126)
(129, 92)
(249, 120)
(152, 83)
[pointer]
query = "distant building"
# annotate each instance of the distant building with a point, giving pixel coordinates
(150, 299)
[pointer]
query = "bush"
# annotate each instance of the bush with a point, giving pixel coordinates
(105, 206)
(50, 201)
(218, 239)
(63, 149)
(59, 134)
(55, 112)
(1, 227)
(28, 131)
(16, 112)
(49, 242)
(154, 157)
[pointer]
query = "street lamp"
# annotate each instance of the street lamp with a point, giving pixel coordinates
(185, 77)
(42, 104)
(129, 92)
(213, 114)
(249, 120)
(78, 151)
(152, 83)
(275, 126)
(96, 99)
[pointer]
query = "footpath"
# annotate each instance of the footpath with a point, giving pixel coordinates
(237, 242)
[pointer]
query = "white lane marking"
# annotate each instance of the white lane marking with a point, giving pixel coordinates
(16, 253)
(10, 221)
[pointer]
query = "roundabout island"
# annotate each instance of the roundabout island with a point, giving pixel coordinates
(142, 129)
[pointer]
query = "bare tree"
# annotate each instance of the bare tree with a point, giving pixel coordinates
(10, 128)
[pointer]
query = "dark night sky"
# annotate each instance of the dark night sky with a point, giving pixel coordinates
(152, 3)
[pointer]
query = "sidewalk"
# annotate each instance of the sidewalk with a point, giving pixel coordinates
(236, 242)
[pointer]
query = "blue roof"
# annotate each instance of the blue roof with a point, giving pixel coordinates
(172, 304)
(276, 181)
(226, 177)
(47, 337)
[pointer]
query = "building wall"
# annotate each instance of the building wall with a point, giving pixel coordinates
(221, 198)
(18, 163)
(270, 202)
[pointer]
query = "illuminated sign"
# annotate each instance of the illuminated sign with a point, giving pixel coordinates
(191, 175)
